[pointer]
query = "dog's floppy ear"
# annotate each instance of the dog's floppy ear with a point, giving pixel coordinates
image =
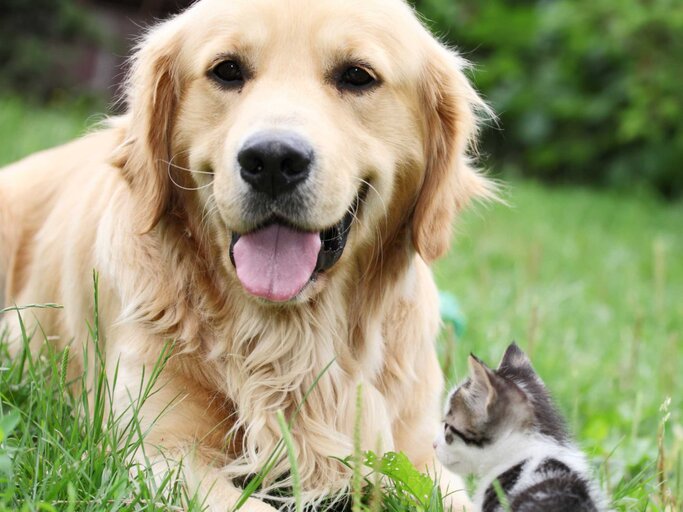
(450, 182)
(152, 93)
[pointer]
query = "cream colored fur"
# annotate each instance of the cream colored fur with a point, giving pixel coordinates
(124, 201)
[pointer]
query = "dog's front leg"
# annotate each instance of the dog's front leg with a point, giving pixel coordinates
(203, 482)
(186, 431)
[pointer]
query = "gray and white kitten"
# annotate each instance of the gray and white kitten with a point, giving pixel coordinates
(502, 425)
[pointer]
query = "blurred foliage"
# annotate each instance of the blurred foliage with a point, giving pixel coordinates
(588, 91)
(42, 42)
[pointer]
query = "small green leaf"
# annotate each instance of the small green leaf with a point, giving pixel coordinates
(8, 422)
(406, 478)
(5, 465)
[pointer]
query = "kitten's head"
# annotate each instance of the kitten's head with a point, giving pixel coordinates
(491, 405)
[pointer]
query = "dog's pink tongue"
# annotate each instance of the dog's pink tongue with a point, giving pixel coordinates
(276, 262)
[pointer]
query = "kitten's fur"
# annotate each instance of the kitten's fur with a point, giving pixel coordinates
(502, 425)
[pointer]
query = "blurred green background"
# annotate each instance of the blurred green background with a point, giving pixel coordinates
(588, 91)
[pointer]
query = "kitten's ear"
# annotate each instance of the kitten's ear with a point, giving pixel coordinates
(515, 358)
(482, 379)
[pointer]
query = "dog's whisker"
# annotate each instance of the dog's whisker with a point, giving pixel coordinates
(179, 153)
(381, 199)
(181, 168)
(372, 187)
(204, 224)
(189, 189)
(208, 207)
(182, 187)
(186, 169)
(378, 256)
(207, 211)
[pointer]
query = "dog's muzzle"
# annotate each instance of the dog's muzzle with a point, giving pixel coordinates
(276, 261)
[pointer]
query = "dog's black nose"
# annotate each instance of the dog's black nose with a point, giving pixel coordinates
(275, 162)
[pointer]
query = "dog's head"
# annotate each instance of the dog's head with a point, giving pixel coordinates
(302, 131)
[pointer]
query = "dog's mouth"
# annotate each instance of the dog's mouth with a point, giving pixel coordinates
(277, 261)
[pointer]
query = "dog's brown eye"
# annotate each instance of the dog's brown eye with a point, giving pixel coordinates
(229, 72)
(356, 78)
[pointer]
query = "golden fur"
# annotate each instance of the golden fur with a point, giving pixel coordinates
(134, 201)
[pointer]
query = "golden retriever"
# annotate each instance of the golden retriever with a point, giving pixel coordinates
(284, 173)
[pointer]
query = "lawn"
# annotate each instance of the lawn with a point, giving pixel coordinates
(589, 283)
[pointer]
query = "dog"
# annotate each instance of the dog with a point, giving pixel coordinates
(270, 201)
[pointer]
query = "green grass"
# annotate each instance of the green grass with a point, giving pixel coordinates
(589, 283)
(63, 451)
(25, 129)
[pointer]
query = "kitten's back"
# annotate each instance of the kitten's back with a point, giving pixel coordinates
(548, 485)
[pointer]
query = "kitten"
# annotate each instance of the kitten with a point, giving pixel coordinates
(502, 425)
